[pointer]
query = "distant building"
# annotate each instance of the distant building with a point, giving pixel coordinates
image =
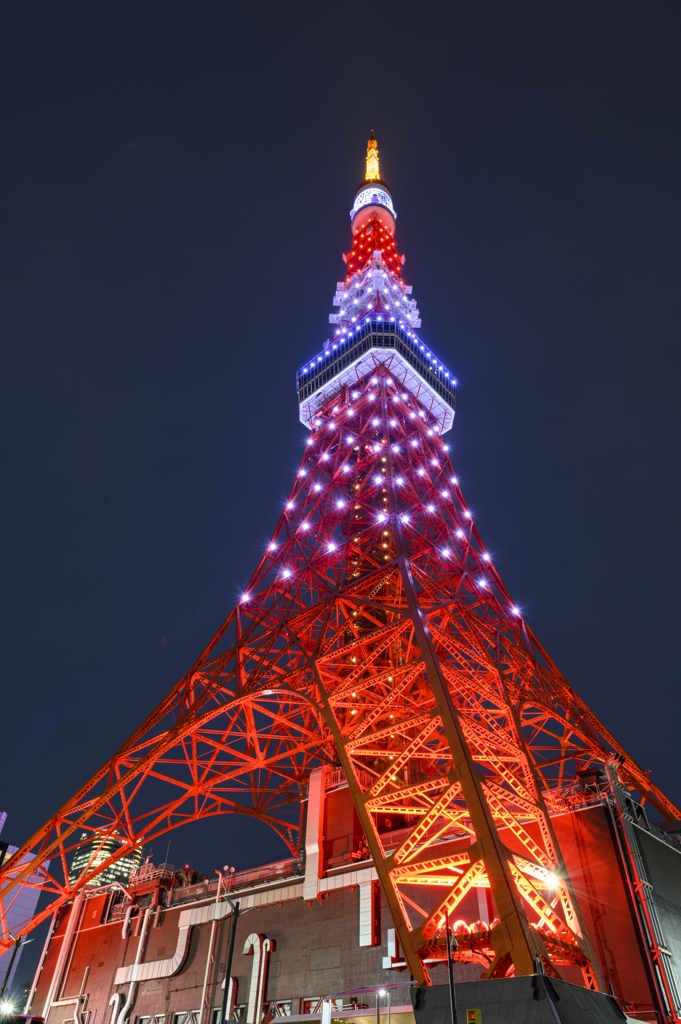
(96, 852)
(20, 905)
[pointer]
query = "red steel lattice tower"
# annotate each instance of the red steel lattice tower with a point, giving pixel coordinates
(377, 636)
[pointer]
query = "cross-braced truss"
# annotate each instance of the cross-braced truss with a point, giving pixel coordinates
(374, 634)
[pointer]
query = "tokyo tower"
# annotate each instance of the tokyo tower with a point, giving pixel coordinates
(375, 638)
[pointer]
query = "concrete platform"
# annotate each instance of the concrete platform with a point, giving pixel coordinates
(526, 1000)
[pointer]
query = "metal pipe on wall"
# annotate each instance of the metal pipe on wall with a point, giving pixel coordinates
(138, 958)
(56, 982)
(211, 945)
(41, 963)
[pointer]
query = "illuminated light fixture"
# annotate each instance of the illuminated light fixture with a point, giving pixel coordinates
(393, 423)
(340, 503)
(286, 573)
(467, 514)
(325, 456)
(244, 597)
(289, 506)
(454, 481)
(483, 582)
(400, 480)
(377, 479)
(445, 494)
(331, 546)
(405, 517)
(374, 423)
(431, 508)
(486, 557)
(446, 552)
(309, 441)
(346, 468)
(396, 447)
(382, 517)
(515, 611)
(460, 534)
(317, 487)
(272, 546)
(421, 472)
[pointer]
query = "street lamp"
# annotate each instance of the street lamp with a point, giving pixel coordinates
(17, 944)
(386, 992)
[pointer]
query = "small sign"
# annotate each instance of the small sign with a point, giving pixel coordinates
(473, 1017)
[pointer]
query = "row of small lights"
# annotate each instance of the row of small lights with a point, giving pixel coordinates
(372, 397)
(399, 297)
(436, 365)
(382, 518)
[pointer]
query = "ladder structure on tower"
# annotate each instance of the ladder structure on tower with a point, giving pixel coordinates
(375, 636)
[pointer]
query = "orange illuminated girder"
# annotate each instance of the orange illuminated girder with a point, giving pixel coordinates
(375, 633)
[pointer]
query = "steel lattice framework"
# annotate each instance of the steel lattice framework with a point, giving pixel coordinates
(375, 634)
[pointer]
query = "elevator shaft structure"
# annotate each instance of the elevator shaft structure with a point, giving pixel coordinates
(375, 636)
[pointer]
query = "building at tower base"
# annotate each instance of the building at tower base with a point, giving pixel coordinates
(316, 928)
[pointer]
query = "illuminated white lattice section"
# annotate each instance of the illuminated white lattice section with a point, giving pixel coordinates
(373, 197)
(374, 290)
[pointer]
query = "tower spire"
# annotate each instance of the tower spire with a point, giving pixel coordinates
(372, 173)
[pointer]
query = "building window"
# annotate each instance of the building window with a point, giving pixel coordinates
(188, 1017)
(158, 1018)
(281, 1008)
(314, 1004)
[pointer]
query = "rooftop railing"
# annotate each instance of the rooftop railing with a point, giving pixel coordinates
(376, 333)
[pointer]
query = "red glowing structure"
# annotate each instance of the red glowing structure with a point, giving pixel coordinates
(375, 635)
